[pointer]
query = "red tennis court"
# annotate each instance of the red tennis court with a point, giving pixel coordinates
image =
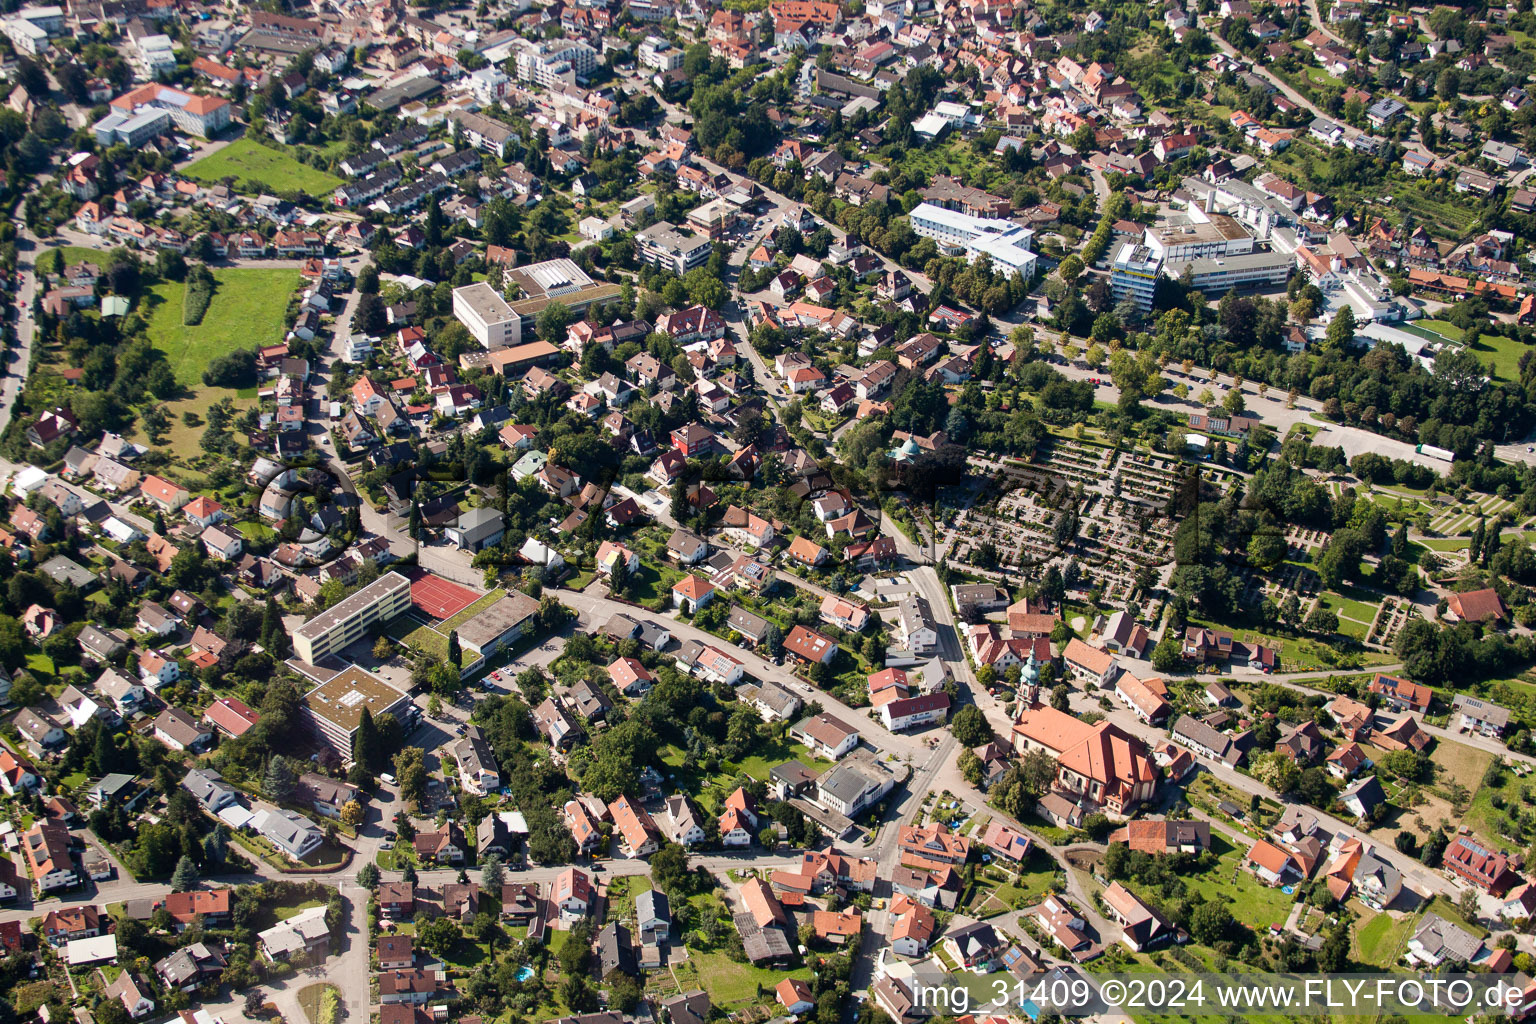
(438, 598)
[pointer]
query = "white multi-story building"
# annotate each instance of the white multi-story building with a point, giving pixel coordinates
(555, 60)
(482, 132)
(488, 317)
(658, 52)
(1197, 235)
(203, 116)
(1003, 242)
(1217, 275)
(346, 622)
(156, 54)
(488, 84)
(663, 245)
(1134, 274)
(25, 36)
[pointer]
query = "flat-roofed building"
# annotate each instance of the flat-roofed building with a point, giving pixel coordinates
(495, 628)
(487, 316)
(1197, 235)
(1217, 275)
(346, 621)
(1003, 242)
(557, 280)
(1134, 274)
(334, 708)
(554, 60)
(662, 245)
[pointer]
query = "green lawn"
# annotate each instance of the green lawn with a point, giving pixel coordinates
(255, 165)
(254, 531)
(1251, 901)
(1503, 353)
(728, 982)
(246, 312)
(1444, 328)
(312, 997)
(1379, 940)
(999, 889)
(77, 254)
(709, 788)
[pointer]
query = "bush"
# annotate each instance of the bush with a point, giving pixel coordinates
(235, 369)
(199, 294)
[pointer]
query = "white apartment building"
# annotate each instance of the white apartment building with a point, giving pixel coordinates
(347, 621)
(555, 60)
(1003, 242)
(1134, 274)
(662, 245)
(659, 53)
(487, 316)
(488, 84)
(1197, 235)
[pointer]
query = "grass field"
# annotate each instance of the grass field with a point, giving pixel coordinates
(249, 162)
(246, 312)
(1503, 353)
(1512, 794)
(1252, 902)
(1379, 940)
(756, 765)
(730, 984)
(77, 254)
(1444, 328)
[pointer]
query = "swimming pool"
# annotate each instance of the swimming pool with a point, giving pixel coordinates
(524, 972)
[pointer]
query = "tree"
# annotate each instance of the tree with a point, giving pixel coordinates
(970, 726)
(552, 322)
(274, 635)
(1341, 330)
(669, 869)
(411, 774)
(1059, 695)
(439, 935)
(368, 875)
(492, 875)
(1277, 771)
(773, 640)
(383, 650)
(1166, 655)
(280, 782)
(1467, 904)
(1070, 268)
(367, 751)
(1209, 923)
(1037, 772)
(185, 876)
(352, 814)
